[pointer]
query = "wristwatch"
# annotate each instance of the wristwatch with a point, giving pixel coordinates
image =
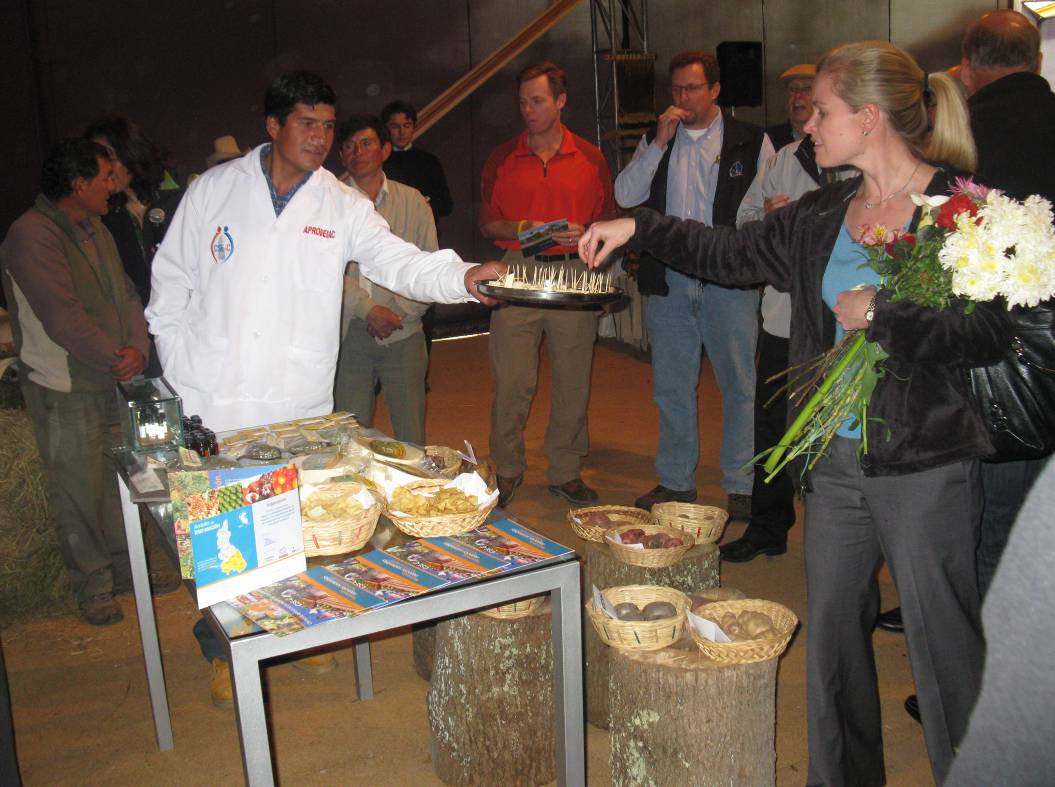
(870, 310)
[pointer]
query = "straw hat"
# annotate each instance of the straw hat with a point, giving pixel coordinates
(801, 71)
(224, 149)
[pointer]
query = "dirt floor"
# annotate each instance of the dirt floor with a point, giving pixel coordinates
(82, 713)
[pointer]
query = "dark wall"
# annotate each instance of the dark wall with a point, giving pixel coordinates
(191, 71)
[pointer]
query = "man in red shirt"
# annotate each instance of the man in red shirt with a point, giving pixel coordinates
(545, 174)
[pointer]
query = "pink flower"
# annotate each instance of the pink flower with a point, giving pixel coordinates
(970, 188)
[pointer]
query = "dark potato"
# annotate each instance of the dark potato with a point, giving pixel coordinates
(628, 610)
(656, 610)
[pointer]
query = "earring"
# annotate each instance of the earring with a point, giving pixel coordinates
(865, 133)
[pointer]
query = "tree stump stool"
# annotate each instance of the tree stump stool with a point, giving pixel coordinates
(695, 572)
(490, 700)
(678, 718)
(423, 639)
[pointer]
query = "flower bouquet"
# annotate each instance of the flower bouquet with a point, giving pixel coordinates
(973, 246)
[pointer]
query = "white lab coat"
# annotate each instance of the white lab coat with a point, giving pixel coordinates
(246, 307)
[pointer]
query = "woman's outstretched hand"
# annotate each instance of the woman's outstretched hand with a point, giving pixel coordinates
(602, 238)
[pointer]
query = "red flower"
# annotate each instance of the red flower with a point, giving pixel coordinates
(905, 242)
(958, 204)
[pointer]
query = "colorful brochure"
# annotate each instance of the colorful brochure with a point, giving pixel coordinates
(449, 558)
(513, 543)
(387, 576)
(242, 526)
(538, 239)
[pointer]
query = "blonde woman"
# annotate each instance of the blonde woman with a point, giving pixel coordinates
(914, 498)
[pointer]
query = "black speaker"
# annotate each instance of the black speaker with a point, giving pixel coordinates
(741, 65)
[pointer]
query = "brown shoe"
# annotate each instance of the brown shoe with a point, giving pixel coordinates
(220, 688)
(507, 487)
(575, 492)
(739, 508)
(316, 665)
(101, 610)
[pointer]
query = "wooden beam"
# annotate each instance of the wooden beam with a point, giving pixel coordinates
(486, 68)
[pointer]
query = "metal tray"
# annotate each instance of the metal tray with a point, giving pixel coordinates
(548, 298)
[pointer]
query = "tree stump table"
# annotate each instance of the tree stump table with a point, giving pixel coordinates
(695, 572)
(490, 700)
(678, 718)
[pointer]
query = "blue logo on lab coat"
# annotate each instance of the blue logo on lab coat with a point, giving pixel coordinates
(222, 245)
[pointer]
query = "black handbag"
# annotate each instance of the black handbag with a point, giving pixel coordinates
(1016, 397)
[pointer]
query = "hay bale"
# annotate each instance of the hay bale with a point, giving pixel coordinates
(33, 580)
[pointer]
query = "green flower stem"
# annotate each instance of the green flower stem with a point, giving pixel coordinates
(774, 463)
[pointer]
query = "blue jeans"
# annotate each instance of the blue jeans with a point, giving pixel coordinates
(696, 315)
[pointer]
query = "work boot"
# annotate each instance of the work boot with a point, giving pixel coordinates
(507, 487)
(101, 609)
(220, 688)
(317, 665)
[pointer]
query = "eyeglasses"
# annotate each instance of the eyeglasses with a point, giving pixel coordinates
(690, 89)
(801, 90)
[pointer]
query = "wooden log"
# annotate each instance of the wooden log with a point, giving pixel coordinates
(423, 638)
(696, 572)
(490, 701)
(678, 718)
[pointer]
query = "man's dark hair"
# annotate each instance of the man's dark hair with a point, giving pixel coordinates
(144, 160)
(1001, 39)
(296, 87)
(67, 160)
(711, 71)
(558, 82)
(399, 108)
(353, 124)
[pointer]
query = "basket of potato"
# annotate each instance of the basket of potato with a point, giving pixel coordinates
(437, 508)
(759, 630)
(590, 524)
(651, 546)
(647, 617)
(337, 517)
(520, 608)
(705, 523)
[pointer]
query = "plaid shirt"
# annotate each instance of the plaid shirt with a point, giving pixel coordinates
(279, 201)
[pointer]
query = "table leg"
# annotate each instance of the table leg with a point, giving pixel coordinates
(364, 676)
(148, 632)
(567, 679)
(251, 718)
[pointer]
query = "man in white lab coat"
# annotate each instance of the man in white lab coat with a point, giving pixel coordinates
(246, 287)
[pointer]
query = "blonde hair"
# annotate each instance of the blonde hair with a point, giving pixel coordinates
(877, 72)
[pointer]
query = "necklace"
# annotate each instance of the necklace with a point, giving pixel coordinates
(891, 195)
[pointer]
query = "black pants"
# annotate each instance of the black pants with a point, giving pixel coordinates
(772, 504)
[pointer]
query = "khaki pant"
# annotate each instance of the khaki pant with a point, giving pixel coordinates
(74, 433)
(516, 332)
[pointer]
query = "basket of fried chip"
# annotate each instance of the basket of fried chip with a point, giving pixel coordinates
(591, 523)
(650, 546)
(705, 523)
(440, 507)
(520, 608)
(337, 517)
(638, 617)
(750, 630)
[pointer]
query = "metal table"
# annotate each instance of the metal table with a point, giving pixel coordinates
(559, 577)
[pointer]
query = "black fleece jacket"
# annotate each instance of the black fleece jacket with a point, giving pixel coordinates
(923, 400)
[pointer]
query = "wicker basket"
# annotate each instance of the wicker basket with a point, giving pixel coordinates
(705, 523)
(518, 609)
(452, 458)
(620, 515)
(639, 634)
(442, 525)
(650, 558)
(751, 650)
(338, 536)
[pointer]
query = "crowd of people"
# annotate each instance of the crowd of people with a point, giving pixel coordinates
(270, 289)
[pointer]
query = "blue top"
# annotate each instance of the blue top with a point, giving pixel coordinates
(847, 268)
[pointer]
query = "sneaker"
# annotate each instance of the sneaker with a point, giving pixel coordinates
(316, 665)
(739, 508)
(101, 610)
(220, 688)
(507, 487)
(575, 492)
(663, 495)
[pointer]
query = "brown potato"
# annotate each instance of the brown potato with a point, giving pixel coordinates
(657, 610)
(632, 536)
(597, 519)
(628, 610)
(753, 624)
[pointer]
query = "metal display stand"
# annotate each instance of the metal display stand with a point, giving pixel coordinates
(559, 577)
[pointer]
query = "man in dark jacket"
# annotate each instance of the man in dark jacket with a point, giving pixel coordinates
(1013, 119)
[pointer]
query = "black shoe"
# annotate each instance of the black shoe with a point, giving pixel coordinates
(575, 492)
(101, 610)
(742, 550)
(890, 621)
(507, 487)
(912, 707)
(662, 494)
